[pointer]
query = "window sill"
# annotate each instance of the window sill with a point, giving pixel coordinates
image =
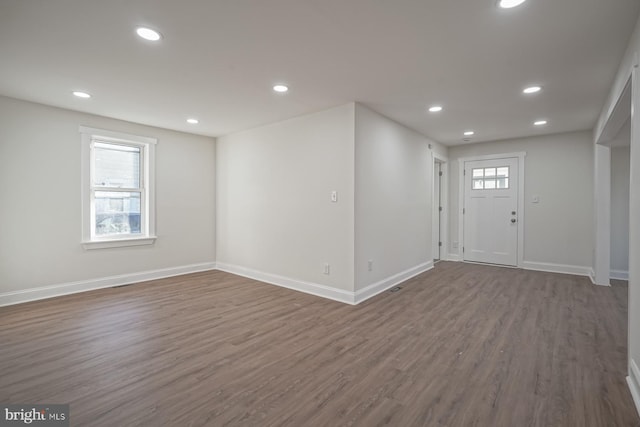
(119, 243)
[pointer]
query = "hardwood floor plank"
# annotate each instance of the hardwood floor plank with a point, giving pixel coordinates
(461, 345)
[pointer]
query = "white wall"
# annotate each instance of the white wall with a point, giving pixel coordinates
(558, 169)
(40, 221)
(256, 203)
(393, 207)
(620, 211)
(275, 218)
(634, 239)
(628, 68)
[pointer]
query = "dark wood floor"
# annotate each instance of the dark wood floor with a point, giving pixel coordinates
(461, 345)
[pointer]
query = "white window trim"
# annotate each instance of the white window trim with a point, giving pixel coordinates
(148, 236)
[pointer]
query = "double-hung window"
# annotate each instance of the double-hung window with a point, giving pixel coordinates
(117, 189)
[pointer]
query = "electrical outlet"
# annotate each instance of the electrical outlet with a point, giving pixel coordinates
(370, 265)
(327, 268)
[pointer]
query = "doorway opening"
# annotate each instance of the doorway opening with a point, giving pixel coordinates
(437, 211)
(612, 196)
(439, 215)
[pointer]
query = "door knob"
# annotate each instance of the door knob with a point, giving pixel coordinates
(513, 220)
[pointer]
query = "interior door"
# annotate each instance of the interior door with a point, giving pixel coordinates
(490, 211)
(437, 210)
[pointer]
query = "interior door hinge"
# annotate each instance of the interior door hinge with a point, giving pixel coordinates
(440, 173)
(440, 208)
(463, 211)
(439, 243)
(464, 172)
(463, 249)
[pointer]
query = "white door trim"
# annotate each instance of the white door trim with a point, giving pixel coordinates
(444, 199)
(435, 212)
(521, 214)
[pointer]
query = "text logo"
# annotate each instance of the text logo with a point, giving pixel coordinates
(34, 415)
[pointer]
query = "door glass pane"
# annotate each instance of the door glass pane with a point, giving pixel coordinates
(478, 184)
(490, 172)
(478, 173)
(503, 182)
(503, 172)
(489, 184)
(117, 213)
(116, 165)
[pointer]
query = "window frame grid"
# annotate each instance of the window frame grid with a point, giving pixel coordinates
(141, 189)
(494, 178)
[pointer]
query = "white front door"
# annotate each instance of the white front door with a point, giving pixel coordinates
(491, 211)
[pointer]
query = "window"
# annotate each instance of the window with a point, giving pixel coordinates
(117, 189)
(490, 178)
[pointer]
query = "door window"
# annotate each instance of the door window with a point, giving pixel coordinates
(494, 178)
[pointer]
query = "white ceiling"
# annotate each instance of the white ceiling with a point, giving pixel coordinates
(219, 59)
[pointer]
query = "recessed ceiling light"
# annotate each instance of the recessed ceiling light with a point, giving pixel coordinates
(508, 4)
(81, 94)
(469, 133)
(148, 34)
(435, 109)
(192, 121)
(532, 89)
(281, 88)
(540, 123)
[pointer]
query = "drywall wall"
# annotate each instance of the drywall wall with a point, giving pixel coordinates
(619, 212)
(40, 218)
(558, 170)
(623, 76)
(634, 242)
(628, 70)
(275, 218)
(393, 206)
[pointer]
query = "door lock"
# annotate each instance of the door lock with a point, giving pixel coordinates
(513, 220)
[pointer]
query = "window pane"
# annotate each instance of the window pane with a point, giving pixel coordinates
(503, 182)
(478, 173)
(117, 213)
(478, 184)
(116, 165)
(489, 184)
(490, 172)
(503, 172)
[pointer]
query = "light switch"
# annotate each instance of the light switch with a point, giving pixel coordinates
(334, 196)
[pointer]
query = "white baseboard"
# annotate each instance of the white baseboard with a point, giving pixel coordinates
(390, 282)
(33, 294)
(324, 291)
(619, 274)
(453, 257)
(557, 268)
(286, 282)
(633, 380)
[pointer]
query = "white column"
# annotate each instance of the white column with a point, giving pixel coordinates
(634, 244)
(602, 208)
